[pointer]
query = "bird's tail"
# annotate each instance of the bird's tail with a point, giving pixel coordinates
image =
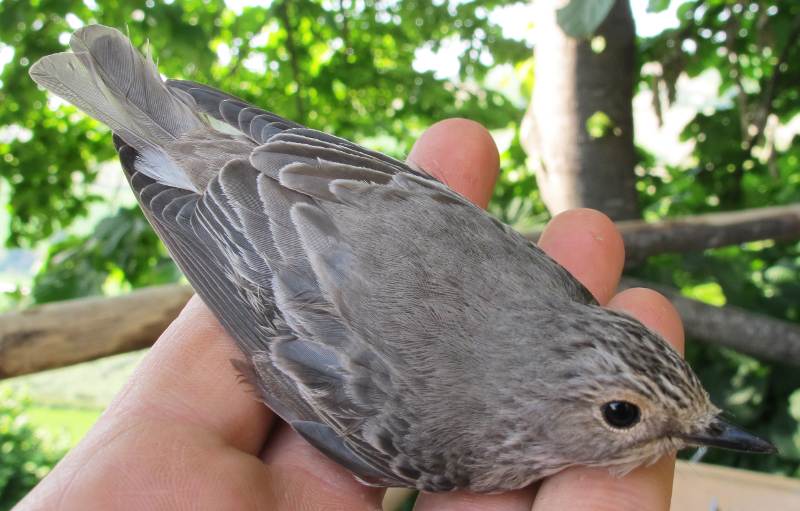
(106, 77)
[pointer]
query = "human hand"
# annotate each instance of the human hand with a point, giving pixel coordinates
(186, 433)
(587, 244)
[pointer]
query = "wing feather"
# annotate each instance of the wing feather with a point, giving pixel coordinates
(295, 248)
(224, 243)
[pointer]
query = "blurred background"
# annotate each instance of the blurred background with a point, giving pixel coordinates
(647, 110)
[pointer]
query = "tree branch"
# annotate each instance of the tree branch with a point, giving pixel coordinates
(59, 334)
(241, 54)
(345, 27)
(731, 30)
(700, 232)
(732, 327)
(765, 106)
(73, 331)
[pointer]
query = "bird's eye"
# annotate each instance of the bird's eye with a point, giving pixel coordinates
(621, 414)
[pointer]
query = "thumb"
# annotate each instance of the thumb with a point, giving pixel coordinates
(461, 154)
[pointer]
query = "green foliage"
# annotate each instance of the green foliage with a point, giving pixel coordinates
(122, 249)
(599, 124)
(754, 48)
(25, 457)
(70, 422)
(657, 5)
(760, 397)
(736, 163)
(516, 198)
(343, 67)
(580, 18)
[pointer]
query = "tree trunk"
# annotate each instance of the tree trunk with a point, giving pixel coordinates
(576, 168)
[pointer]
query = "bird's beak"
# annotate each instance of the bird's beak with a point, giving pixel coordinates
(727, 436)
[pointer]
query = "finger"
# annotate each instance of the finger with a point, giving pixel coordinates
(589, 246)
(646, 487)
(655, 311)
(187, 377)
(462, 154)
(518, 500)
(303, 478)
(594, 489)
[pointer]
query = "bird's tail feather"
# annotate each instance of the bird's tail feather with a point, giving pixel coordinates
(106, 77)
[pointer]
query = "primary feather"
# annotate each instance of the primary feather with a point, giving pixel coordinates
(365, 295)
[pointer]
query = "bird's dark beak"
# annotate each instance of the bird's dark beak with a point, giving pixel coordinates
(727, 436)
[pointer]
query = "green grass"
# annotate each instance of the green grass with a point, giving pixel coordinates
(72, 423)
(65, 403)
(91, 385)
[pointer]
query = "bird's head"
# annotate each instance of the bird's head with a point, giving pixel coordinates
(619, 396)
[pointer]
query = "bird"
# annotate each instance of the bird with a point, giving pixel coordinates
(401, 330)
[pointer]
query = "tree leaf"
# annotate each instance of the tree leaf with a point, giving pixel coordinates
(599, 124)
(657, 5)
(580, 18)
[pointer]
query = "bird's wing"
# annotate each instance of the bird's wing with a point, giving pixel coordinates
(229, 254)
(343, 275)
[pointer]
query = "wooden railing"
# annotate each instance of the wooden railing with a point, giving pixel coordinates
(64, 333)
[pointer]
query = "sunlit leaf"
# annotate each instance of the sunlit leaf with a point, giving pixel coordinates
(580, 18)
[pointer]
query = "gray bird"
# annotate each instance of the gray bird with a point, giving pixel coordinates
(398, 328)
